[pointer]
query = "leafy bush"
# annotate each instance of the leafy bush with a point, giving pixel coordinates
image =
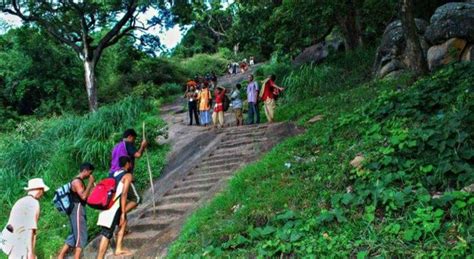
(163, 91)
(54, 148)
(201, 64)
(403, 201)
(280, 70)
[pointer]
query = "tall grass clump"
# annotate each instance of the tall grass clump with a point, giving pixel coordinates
(53, 149)
(339, 72)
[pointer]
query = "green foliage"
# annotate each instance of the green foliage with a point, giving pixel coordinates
(166, 91)
(43, 78)
(54, 148)
(341, 71)
(197, 39)
(39, 76)
(123, 68)
(416, 140)
(202, 64)
(261, 28)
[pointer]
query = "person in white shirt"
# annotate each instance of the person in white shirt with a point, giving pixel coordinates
(23, 221)
(117, 215)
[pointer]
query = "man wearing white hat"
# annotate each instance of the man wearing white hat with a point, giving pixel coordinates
(24, 219)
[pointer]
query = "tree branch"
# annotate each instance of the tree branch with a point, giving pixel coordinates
(50, 29)
(215, 32)
(105, 41)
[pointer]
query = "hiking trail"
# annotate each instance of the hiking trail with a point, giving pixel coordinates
(199, 165)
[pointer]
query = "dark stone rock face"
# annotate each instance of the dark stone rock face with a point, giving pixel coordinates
(452, 20)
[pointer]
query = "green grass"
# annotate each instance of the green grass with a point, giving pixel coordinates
(54, 148)
(416, 139)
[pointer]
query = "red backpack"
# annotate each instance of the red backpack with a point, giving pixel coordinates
(102, 196)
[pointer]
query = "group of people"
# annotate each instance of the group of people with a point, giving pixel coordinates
(240, 67)
(200, 101)
(204, 106)
(19, 236)
(18, 239)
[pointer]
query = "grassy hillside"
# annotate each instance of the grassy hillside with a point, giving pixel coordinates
(54, 148)
(305, 199)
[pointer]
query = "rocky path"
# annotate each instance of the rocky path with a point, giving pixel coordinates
(201, 162)
(232, 80)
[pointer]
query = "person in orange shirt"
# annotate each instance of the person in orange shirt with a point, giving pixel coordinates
(205, 98)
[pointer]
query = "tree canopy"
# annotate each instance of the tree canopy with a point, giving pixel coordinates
(89, 27)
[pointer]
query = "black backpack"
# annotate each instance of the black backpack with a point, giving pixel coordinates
(226, 103)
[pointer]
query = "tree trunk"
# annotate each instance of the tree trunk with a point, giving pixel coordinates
(91, 86)
(350, 27)
(415, 57)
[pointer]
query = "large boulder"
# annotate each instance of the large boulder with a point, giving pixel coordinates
(390, 57)
(318, 52)
(452, 20)
(443, 54)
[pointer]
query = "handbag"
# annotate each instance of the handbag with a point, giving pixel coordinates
(5, 241)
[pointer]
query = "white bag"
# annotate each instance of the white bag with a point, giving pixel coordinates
(5, 241)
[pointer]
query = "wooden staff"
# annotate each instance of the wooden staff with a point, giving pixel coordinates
(150, 174)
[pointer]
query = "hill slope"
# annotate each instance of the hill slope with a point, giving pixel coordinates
(305, 199)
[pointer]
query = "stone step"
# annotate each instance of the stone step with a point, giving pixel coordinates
(242, 135)
(240, 143)
(244, 149)
(253, 137)
(183, 197)
(247, 129)
(225, 156)
(136, 240)
(230, 159)
(172, 210)
(110, 255)
(201, 175)
(193, 188)
(188, 182)
(220, 167)
(150, 223)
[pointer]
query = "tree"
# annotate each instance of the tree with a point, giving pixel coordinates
(26, 87)
(348, 18)
(415, 57)
(81, 25)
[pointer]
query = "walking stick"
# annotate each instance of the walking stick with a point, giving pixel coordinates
(150, 174)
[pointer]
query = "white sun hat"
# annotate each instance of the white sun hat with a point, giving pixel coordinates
(36, 183)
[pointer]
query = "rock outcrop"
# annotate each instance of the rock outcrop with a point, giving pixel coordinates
(451, 34)
(452, 20)
(449, 37)
(318, 52)
(390, 57)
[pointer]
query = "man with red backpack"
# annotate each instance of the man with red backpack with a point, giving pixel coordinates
(127, 148)
(116, 215)
(268, 94)
(77, 218)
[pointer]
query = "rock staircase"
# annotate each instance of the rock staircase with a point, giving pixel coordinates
(191, 184)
